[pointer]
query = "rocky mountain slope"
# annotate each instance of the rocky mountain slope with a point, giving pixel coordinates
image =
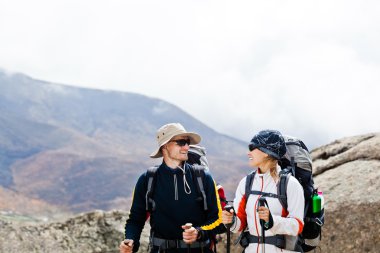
(83, 148)
(347, 171)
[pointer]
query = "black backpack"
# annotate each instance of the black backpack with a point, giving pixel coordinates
(197, 155)
(297, 162)
(198, 172)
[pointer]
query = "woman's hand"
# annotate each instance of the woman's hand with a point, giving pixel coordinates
(264, 213)
(227, 217)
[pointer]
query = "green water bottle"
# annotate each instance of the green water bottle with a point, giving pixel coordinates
(316, 200)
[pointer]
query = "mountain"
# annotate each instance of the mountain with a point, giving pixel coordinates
(84, 148)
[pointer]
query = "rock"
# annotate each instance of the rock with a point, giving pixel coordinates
(348, 173)
(364, 147)
(91, 232)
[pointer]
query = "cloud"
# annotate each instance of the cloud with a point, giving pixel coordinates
(307, 68)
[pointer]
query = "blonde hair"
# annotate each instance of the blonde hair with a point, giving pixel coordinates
(272, 163)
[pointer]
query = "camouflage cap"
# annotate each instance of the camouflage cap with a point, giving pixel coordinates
(270, 142)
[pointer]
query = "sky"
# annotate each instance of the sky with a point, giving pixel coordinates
(307, 68)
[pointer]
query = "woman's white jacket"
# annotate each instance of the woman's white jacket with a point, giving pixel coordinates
(286, 222)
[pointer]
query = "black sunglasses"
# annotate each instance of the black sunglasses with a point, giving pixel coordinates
(181, 142)
(251, 146)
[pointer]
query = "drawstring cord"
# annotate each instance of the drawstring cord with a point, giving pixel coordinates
(186, 186)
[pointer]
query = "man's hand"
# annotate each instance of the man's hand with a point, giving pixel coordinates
(189, 234)
(126, 246)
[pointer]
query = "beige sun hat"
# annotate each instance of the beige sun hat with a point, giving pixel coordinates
(168, 131)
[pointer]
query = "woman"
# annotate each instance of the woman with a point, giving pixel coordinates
(279, 225)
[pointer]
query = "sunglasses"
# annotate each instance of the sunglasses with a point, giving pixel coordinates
(251, 146)
(181, 142)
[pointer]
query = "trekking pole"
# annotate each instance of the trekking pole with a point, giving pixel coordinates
(228, 208)
(262, 202)
(188, 226)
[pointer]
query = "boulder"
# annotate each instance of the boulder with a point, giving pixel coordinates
(348, 173)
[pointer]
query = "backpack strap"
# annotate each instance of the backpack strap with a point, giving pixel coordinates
(248, 191)
(248, 184)
(282, 186)
(266, 194)
(199, 172)
(293, 165)
(150, 175)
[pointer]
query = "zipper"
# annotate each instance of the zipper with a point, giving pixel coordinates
(175, 188)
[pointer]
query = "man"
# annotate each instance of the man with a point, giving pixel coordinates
(178, 220)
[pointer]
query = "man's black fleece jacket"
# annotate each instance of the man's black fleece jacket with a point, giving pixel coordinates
(174, 206)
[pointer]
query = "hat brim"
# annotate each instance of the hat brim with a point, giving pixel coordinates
(194, 139)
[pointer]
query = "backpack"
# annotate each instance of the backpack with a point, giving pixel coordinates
(296, 162)
(197, 155)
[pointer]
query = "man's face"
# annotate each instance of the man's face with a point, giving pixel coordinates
(177, 148)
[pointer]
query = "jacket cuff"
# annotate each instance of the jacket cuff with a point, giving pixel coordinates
(136, 246)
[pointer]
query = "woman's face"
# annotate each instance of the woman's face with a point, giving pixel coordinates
(256, 157)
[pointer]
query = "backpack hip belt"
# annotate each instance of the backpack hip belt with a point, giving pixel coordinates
(276, 240)
(177, 244)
